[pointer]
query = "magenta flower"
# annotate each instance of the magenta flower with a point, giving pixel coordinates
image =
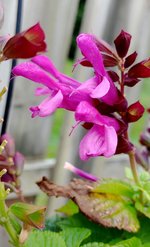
(105, 88)
(80, 173)
(98, 103)
(101, 139)
(62, 91)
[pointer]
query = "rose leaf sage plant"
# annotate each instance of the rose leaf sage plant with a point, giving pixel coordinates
(101, 107)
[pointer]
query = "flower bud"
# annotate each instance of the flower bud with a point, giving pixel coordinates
(122, 43)
(140, 70)
(10, 146)
(134, 112)
(25, 44)
(130, 59)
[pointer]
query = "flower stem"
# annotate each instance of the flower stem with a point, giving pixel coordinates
(4, 218)
(12, 233)
(133, 167)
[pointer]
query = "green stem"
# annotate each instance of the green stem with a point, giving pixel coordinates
(133, 167)
(12, 233)
(4, 218)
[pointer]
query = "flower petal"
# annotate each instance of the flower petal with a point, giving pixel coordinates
(102, 89)
(42, 91)
(80, 172)
(100, 140)
(88, 47)
(88, 86)
(33, 72)
(46, 64)
(47, 106)
(87, 113)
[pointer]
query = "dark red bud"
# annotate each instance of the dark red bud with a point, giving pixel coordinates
(113, 75)
(130, 82)
(122, 43)
(140, 70)
(130, 59)
(104, 47)
(87, 125)
(109, 61)
(7, 178)
(134, 112)
(85, 62)
(25, 44)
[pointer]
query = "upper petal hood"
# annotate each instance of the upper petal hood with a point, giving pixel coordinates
(88, 47)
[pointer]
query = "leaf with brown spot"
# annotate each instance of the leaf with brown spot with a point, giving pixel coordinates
(104, 208)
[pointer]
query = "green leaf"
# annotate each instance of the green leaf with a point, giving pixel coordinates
(146, 245)
(114, 186)
(98, 232)
(74, 236)
(132, 242)
(44, 239)
(95, 244)
(143, 233)
(144, 209)
(51, 223)
(112, 211)
(69, 208)
(144, 176)
(128, 173)
(29, 214)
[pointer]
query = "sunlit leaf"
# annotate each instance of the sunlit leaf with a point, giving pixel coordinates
(144, 209)
(132, 242)
(114, 186)
(69, 208)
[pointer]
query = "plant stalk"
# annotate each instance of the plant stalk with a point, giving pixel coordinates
(4, 218)
(133, 167)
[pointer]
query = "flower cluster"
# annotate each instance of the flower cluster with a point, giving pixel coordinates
(12, 161)
(99, 103)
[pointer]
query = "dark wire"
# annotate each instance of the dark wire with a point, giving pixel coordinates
(11, 85)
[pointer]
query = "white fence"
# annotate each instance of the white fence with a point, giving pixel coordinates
(105, 18)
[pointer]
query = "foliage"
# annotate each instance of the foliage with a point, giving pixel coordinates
(74, 234)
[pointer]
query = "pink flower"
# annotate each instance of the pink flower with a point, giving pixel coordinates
(105, 88)
(62, 91)
(101, 139)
